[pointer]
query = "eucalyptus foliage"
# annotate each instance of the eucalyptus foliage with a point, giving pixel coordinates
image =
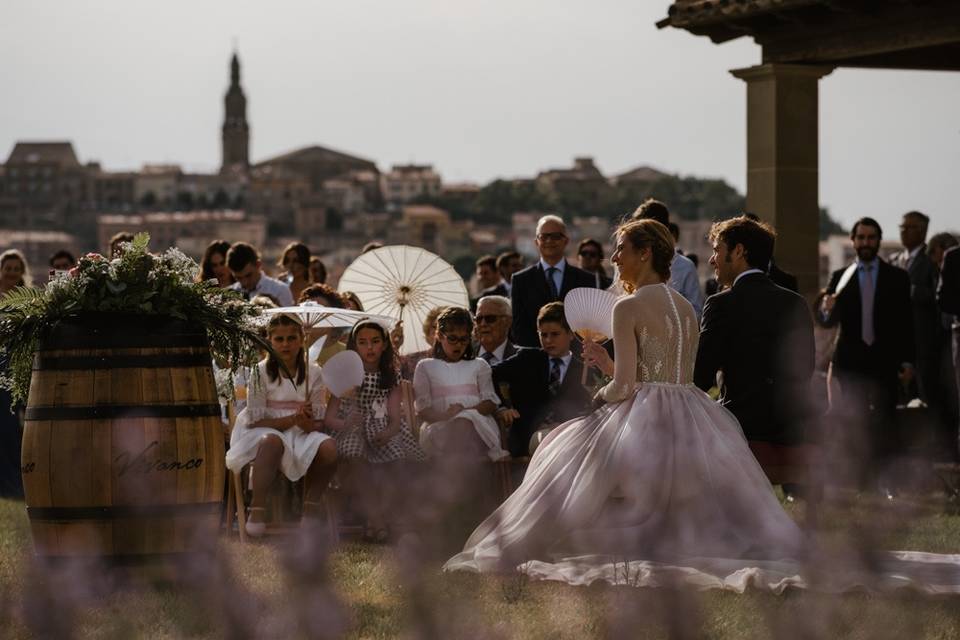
(137, 282)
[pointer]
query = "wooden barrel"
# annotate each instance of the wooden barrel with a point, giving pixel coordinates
(123, 451)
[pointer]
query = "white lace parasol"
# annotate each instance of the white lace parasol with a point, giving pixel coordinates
(406, 283)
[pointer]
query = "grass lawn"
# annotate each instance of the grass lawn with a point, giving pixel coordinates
(361, 591)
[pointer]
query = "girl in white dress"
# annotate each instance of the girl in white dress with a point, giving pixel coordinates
(658, 486)
(278, 429)
(454, 393)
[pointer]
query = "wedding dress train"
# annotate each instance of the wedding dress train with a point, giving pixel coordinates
(659, 487)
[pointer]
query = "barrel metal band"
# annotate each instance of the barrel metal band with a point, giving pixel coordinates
(66, 514)
(62, 363)
(115, 411)
(120, 339)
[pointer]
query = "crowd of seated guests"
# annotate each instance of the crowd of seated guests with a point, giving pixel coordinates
(500, 373)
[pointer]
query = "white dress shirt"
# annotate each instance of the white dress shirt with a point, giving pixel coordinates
(269, 286)
(558, 274)
(496, 355)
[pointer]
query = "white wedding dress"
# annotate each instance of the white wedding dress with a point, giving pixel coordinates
(659, 486)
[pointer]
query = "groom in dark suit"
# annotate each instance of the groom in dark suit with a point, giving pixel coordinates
(548, 280)
(760, 337)
(541, 388)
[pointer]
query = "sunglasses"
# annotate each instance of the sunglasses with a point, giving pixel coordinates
(555, 236)
(464, 339)
(589, 254)
(488, 318)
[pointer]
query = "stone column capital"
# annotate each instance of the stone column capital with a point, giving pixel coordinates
(779, 70)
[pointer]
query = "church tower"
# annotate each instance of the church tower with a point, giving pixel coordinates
(236, 131)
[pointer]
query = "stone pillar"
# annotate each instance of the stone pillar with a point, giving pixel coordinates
(782, 162)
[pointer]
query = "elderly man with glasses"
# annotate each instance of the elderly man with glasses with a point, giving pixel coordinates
(492, 329)
(547, 280)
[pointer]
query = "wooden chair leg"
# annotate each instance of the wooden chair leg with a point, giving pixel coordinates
(333, 521)
(229, 507)
(241, 512)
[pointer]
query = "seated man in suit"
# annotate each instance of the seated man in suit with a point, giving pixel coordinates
(541, 388)
(492, 329)
(547, 280)
(760, 336)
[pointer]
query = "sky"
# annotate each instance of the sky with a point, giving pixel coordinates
(479, 89)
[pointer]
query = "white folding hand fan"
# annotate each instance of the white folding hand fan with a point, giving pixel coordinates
(590, 314)
(343, 372)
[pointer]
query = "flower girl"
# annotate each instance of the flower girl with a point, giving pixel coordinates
(370, 433)
(278, 430)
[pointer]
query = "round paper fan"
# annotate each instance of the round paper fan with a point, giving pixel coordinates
(342, 372)
(590, 313)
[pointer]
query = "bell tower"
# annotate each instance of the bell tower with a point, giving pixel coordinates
(235, 134)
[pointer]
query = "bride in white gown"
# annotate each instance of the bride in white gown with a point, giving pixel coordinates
(658, 486)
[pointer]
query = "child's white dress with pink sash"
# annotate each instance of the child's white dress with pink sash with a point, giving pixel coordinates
(439, 384)
(266, 399)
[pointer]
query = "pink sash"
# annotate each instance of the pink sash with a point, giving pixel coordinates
(447, 390)
(284, 405)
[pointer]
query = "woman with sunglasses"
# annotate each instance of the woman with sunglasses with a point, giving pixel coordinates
(590, 254)
(454, 391)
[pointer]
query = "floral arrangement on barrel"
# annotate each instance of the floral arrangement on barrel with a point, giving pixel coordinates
(137, 282)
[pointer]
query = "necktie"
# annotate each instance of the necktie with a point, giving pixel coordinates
(552, 284)
(866, 305)
(489, 357)
(553, 383)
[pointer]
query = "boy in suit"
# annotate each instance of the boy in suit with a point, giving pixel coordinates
(541, 388)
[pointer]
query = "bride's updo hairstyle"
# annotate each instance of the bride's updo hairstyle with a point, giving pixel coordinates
(649, 233)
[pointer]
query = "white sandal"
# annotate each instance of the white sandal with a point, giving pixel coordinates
(255, 529)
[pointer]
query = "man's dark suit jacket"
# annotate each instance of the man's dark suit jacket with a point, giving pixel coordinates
(761, 336)
(529, 291)
(927, 329)
(508, 350)
(526, 375)
(892, 321)
(948, 291)
(500, 289)
(783, 279)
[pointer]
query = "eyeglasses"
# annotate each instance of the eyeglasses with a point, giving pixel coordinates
(464, 339)
(589, 254)
(489, 318)
(555, 236)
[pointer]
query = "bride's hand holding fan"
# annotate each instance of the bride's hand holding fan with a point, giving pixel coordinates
(594, 355)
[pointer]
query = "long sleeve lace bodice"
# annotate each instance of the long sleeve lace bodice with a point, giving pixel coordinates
(655, 337)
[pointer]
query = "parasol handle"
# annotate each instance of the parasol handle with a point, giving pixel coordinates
(306, 378)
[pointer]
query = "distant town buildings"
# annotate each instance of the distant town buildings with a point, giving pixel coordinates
(333, 201)
(406, 182)
(190, 231)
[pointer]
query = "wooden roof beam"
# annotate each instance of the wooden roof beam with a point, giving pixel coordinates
(861, 35)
